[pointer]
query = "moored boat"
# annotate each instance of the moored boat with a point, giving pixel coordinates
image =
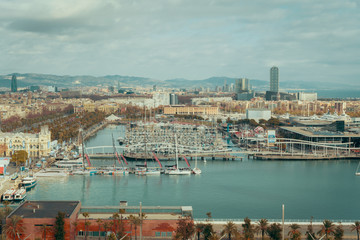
(196, 171)
(20, 194)
(70, 164)
(51, 173)
(28, 182)
(9, 194)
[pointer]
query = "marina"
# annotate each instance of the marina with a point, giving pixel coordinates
(228, 189)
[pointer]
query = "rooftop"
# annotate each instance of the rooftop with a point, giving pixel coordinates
(315, 132)
(45, 209)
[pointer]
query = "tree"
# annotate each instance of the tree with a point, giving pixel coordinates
(229, 229)
(199, 228)
(274, 231)
(338, 233)
(14, 226)
(75, 224)
(310, 235)
(185, 228)
(327, 228)
(59, 226)
(106, 228)
(262, 226)
(99, 222)
(294, 233)
(135, 221)
(356, 226)
(19, 157)
(248, 229)
(208, 231)
(86, 215)
(45, 229)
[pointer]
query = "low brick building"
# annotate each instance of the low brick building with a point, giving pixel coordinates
(97, 222)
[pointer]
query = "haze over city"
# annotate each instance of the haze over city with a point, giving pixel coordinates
(307, 40)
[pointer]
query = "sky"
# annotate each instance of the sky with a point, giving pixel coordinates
(309, 40)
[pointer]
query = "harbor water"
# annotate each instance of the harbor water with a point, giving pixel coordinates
(227, 189)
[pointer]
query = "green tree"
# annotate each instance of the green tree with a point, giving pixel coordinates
(262, 226)
(59, 226)
(199, 228)
(356, 226)
(185, 228)
(327, 229)
(229, 229)
(274, 231)
(273, 122)
(338, 233)
(294, 232)
(45, 229)
(135, 221)
(19, 157)
(106, 226)
(75, 224)
(14, 226)
(248, 229)
(208, 231)
(99, 222)
(310, 235)
(86, 215)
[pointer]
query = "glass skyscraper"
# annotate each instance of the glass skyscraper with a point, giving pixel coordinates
(274, 79)
(13, 83)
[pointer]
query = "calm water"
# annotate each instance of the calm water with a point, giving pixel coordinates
(257, 189)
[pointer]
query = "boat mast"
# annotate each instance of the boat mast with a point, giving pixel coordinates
(82, 147)
(176, 153)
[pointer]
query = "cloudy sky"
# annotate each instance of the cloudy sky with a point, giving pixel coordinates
(309, 40)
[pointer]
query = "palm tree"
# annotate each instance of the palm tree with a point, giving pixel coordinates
(248, 229)
(86, 215)
(262, 226)
(327, 228)
(116, 218)
(229, 228)
(214, 236)
(294, 233)
(75, 224)
(99, 222)
(44, 228)
(106, 228)
(356, 226)
(14, 226)
(199, 228)
(338, 233)
(274, 231)
(136, 221)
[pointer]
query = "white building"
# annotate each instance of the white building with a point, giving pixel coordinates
(36, 145)
(258, 114)
(304, 96)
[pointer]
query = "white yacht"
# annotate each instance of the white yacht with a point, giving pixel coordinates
(9, 194)
(28, 182)
(176, 170)
(52, 173)
(69, 164)
(20, 194)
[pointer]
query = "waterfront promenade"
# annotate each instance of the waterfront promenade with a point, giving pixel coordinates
(218, 226)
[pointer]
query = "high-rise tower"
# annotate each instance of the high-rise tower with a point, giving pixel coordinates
(274, 79)
(13, 83)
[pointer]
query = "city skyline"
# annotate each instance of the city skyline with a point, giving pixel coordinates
(181, 39)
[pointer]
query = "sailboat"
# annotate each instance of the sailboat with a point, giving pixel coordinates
(357, 173)
(196, 170)
(176, 170)
(118, 170)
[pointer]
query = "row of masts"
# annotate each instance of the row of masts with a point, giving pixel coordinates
(160, 138)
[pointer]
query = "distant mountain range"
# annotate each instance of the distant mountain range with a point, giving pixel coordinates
(31, 79)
